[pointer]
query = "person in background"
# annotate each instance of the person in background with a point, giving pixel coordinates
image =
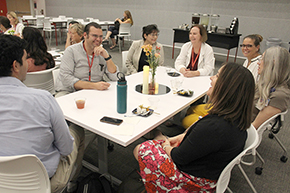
(32, 122)
(136, 58)
(5, 26)
(251, 50)
(113, 31)
(196, 57)
(68, 35)
(194, 160)
(272, 94)
(84, 64)
(16, 25)
(76, 33)
(37, 56)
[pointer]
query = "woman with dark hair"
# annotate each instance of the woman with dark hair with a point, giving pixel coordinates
(37, 56)
(5, 26)
(136, 58)
(196, 57)
(251, 50)
(273, 88)
(113, 31)
(194, 160)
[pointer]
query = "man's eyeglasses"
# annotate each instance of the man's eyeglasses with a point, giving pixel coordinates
(246, 45)
(96, 36)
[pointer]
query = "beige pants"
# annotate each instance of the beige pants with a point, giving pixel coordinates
(68, 164)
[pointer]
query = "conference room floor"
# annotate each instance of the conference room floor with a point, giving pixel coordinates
(275, 176)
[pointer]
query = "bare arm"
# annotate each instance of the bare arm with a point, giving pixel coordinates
(265, 114)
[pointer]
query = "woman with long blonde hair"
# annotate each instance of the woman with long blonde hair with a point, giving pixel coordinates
(113, 31)
(16, 25)
(272, 94)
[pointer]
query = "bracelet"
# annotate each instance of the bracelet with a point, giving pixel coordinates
(108, 58)
(165, 146)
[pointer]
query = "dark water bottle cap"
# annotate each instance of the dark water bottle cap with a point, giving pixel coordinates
(121, 78)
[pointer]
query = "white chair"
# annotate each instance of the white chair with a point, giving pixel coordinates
(124, 58)
(48, 27)
(273, 128)
(39, 21)
(41, 80)
(23, 173)
(224, 178)
(124, 31)
(55, 74)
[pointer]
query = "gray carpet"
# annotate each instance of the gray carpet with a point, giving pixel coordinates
(274, 179)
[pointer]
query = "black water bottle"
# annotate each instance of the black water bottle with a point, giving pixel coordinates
(121, 93)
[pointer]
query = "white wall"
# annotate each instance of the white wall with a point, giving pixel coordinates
(270, 18)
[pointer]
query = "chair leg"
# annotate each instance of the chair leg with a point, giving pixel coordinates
(284, 158)
(247, 179)
(119, 42)
(258, 170)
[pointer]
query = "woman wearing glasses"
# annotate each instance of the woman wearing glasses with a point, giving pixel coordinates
(251, 50)
(136, 58)
(273, 87)
(196, 57)
(194, 160)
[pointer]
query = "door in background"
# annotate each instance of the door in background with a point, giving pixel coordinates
(20, 7)
(3, 8)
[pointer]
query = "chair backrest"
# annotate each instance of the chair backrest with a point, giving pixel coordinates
(267, 125)
(23, 173)
(41, 80)
(124, 58)
(39, 20)
(251, 143)
(47, 24)
(55, 74)
(124, 29)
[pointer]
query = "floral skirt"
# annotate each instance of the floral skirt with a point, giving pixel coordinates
(160, 174)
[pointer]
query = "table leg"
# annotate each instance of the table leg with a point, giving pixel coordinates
(55, 31)
(173, 50)
(236, 54)
(228, 55)
(102, 155)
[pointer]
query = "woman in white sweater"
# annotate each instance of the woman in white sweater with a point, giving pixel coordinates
(196, 57)
(251, 50)
(16, 25)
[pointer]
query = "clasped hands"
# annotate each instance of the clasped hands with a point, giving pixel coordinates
(189, 73)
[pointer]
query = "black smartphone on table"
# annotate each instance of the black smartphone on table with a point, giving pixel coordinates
(111, 120)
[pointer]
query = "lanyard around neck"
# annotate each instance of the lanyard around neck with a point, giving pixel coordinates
(192, 54)
(90, 64)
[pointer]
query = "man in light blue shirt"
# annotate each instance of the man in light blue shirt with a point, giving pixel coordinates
(31, 122)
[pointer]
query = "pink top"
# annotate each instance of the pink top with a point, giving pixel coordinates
(33, 68)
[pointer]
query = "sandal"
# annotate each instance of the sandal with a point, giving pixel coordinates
(112, 47)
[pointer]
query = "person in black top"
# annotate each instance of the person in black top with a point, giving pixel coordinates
(193, 161)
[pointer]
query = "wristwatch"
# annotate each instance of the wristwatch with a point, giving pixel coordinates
(108, 58)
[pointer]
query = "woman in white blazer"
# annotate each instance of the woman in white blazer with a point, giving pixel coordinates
(196, 57)
(136, 58)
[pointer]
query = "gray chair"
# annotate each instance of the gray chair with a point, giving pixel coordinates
(124, 31)
(23, 173)
(41, 80)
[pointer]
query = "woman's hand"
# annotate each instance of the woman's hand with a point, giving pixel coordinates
(188, 73)
(175, 141)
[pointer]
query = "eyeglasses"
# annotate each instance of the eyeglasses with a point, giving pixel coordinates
(96, 36)
(152, 34)
(246, 45)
